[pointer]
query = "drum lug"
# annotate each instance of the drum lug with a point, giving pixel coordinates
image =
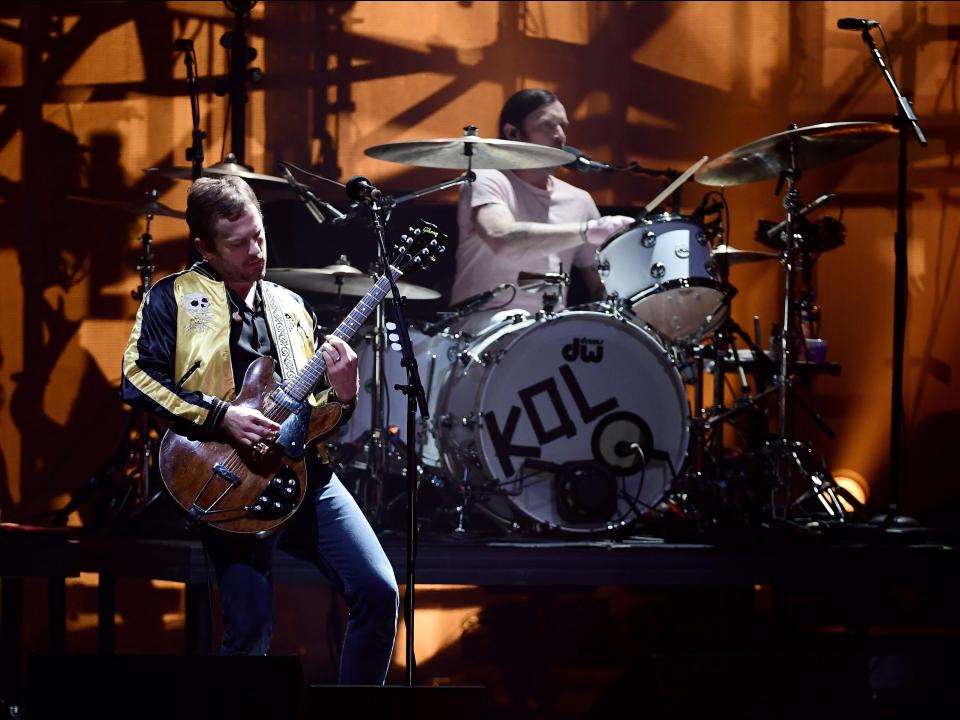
(649, 239)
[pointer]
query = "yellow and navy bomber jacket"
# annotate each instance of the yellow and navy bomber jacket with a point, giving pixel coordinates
(177, 360)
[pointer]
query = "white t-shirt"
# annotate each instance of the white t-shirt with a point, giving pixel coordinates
(480, 268)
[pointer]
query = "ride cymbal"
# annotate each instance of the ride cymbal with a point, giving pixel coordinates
(472, 151)
(767, 158)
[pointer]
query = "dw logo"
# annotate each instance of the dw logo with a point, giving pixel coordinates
(580, 349)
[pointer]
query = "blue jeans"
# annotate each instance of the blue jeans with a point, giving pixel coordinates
(331, 531)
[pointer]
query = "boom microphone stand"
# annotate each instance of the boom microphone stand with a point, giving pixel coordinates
(360, 190)
(903, 119)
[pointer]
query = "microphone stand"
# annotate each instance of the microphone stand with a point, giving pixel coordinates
(416, 399)
(902, 119)
(195, 151)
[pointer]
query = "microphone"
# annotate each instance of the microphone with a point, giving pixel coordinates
(776, 229)
(312, 202)
(478, 299)
(462, 308)
(624, 449)
(856, 24)
(585, 164)
(359, 189)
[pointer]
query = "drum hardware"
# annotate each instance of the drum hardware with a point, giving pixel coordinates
(785, 156)
(549, 284)
(130, 475)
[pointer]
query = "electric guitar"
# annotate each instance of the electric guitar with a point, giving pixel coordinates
(255, 490)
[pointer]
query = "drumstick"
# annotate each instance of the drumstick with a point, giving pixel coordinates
(674, 185)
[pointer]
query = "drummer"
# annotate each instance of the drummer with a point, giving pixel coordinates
(527, 220)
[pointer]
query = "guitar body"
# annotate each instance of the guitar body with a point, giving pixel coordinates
(246, 490)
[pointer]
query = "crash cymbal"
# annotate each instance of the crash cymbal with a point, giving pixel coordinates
(179, 172)
(320, 281)
(767, 158)
(733, 256)
(150, 207)
(472, 151)
(267, 187)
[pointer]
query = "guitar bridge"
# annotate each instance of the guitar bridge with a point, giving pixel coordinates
(229, 476)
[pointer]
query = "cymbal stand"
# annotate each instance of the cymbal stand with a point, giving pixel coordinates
(786, 452)
(128, 475)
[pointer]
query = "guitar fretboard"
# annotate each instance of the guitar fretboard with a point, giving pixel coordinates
(311, 374)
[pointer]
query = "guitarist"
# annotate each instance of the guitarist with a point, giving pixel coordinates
(195, 334)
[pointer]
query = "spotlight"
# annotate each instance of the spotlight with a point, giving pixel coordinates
(854, 483)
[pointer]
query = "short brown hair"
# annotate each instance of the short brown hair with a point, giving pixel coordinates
(211, 199)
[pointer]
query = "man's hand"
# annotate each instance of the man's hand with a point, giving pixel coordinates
(341, 363)
(596, 231)
(247, 426)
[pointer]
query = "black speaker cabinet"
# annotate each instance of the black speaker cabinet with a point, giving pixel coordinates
(423, 703)
(173, 687)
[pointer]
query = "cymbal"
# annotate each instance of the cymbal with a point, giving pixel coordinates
(340, 269)
(267, 187)
(768, 157)
(179, 172)
(470, 150)
(150, 207)
(733, 256)
(338, 283)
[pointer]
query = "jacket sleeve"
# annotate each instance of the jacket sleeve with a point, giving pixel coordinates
(148, 365)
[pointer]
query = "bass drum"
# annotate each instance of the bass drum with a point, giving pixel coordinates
(578, 422)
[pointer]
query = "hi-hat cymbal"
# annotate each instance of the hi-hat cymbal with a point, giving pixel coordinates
(472, 151)
(340, 269)
(337, 283)
(733, 256)
(767, 158)
(150, 207)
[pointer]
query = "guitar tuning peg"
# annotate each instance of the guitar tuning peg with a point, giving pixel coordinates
(442, 248)
(416, 231)
(416, 260)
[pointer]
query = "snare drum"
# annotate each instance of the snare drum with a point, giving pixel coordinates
(575, 422)
(662, 269)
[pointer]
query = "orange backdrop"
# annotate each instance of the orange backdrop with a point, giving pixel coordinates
(92, 95)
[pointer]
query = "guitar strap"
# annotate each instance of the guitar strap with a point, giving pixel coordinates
(281, 333)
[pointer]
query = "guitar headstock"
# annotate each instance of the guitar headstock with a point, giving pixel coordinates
(419, 246)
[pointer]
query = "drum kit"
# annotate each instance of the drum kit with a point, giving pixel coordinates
(594, 419)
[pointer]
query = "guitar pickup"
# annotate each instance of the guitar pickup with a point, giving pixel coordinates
(227, 475)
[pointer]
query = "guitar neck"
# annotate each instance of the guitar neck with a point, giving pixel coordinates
(300, 387)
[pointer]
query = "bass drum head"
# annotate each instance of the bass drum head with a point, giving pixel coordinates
(550, 417)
